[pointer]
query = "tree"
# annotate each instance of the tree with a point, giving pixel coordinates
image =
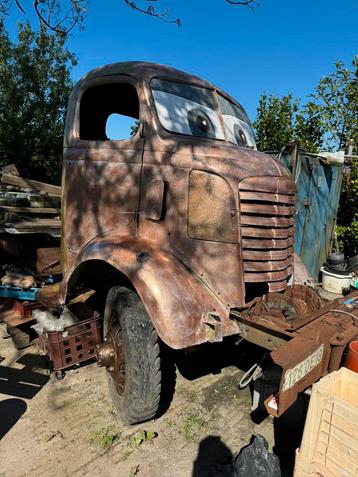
(280, 121)
(274, 122)
(62, 16)
(335, 102)
(35, 85)
(326, 122)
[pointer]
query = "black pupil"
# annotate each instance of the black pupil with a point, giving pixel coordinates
(202, 123)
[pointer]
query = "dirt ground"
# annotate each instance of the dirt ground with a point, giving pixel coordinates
(68, 427)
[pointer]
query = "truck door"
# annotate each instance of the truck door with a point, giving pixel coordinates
(102, 161)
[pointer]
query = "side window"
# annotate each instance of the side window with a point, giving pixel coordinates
(109, 112)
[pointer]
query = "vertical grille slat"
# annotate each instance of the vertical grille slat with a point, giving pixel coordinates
(267, 229)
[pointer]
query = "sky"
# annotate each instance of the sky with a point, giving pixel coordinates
(283, 46)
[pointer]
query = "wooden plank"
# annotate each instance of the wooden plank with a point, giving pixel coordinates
(31, 184)
(30, 210)
(49, 296)
(13, 319)
(36, 223)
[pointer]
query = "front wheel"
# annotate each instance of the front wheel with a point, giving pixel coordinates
(131, 355)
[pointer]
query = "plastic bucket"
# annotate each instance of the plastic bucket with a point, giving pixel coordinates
(335, 283)
(352, 356)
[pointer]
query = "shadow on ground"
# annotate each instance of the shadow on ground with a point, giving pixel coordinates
(24, 382)
(214, 459)
(11, 410)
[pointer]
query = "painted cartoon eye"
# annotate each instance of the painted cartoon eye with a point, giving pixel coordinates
(240, 136)
(200, 123)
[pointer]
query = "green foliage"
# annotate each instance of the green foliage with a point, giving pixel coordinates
(348, 238)
(347, 231)
(335, 102)
(281, 120)
(274, 123)
(35, 85)
(193, 425)
(326, 122)
(134, 128)
(105, 439)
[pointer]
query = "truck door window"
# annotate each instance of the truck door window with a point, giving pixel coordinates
(108, 111)
(237, 125)
(186, 109)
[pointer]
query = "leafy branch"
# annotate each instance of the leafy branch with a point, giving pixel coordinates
(63, 16)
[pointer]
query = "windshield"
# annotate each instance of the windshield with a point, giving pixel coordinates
(190, 110)
(186, 109)
(237, 125)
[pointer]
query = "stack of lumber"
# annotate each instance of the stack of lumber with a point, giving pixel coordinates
(28, 206)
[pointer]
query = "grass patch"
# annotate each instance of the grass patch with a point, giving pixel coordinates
(193, 425)
(105, 439)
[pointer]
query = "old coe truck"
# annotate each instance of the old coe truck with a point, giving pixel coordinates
(188, 231)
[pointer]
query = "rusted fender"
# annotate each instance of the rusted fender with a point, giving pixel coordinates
(177, 301)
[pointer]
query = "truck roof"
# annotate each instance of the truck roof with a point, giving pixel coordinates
(146, 71)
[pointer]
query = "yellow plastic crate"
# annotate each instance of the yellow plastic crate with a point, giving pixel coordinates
(329, 446)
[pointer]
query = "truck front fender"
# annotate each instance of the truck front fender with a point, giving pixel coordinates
(183, 310)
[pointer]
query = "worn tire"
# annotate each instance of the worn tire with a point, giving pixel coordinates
(142, 383)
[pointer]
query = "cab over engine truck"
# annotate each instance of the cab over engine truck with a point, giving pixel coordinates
(188, 230)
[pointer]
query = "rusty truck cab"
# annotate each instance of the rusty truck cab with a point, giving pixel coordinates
(187, 203)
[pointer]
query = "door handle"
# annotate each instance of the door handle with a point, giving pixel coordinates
(154, 202)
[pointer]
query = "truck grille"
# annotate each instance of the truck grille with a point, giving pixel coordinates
(267, 229)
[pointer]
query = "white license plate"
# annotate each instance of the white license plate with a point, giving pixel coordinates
(292, 376)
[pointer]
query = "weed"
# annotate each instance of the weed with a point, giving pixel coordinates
(105, 439)
(193, 425)
(134, 471)
(143, 436)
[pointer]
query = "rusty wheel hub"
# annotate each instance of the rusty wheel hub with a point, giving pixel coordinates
(105, 353)
(110, 355)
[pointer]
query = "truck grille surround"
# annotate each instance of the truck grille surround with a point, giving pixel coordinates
(267, 209)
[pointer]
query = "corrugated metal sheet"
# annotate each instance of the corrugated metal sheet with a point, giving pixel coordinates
(318, 187)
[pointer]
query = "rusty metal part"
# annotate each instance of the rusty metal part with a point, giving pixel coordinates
(266, 211)
(314, 350)
(110, 354)
(265, 339)
(306, 298)
(105, 354)
(284, 311)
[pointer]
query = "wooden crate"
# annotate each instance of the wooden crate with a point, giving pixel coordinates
(329, 446)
